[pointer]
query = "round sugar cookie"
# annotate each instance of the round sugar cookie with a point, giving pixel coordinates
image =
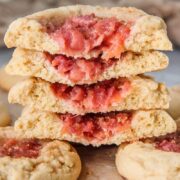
(153, 159)
(36, 159)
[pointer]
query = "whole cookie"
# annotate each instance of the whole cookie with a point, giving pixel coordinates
(25, 159)
(153, 159)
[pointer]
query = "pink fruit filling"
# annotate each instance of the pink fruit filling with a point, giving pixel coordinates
(20, 148)
(79, 69)
(96, 126)
(94, 97)
(169, 143)
(84, 34)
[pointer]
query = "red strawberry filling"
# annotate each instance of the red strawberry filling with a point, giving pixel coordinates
(96, 126)
(78, 69)
(84, 34)
(20, 148)
(96, 97)
(169, 143)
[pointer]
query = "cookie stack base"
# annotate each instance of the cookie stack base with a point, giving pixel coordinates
(144, 124)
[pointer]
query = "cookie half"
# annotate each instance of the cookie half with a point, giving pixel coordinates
(95, 129)
(155, 159)
(24, 158)
(89, 31)
(139, 92)
(71, 71)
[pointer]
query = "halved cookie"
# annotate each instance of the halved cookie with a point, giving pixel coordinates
(138, 92)
(95, 129)
(71, 71)
(25, 158)
(87, 31)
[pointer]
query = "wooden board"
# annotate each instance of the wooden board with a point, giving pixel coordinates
(98, 163)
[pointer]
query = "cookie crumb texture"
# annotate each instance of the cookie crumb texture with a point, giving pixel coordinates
(56, 160)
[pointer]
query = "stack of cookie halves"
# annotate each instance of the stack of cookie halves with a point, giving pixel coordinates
(84, 64)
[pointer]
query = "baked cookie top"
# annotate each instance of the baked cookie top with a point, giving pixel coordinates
(89, 31)
(156, 157)
(29, 158)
